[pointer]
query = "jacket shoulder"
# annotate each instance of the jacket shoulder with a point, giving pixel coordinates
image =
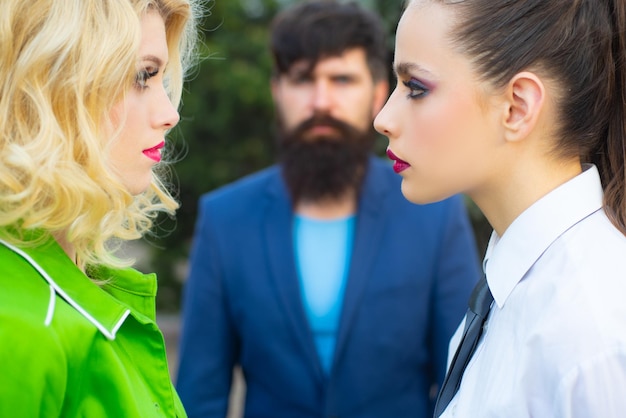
(242, 196)
(26, 301)
(23, 292)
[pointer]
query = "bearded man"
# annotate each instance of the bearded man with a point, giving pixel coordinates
(334, 294)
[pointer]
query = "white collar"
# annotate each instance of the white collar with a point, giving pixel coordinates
(509, 257)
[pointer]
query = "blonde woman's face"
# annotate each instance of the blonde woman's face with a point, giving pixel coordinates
(145, 114)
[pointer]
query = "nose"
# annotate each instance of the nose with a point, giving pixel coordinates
(165, 115)
(383, 121)
(322, 96)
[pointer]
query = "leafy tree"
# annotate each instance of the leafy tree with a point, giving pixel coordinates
(225, 128)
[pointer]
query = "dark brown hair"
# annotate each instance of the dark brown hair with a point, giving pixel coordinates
(580, 44)
(313, 30)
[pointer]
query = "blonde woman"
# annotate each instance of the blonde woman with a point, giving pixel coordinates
(88, 91)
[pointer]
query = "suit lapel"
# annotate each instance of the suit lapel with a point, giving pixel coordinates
(281, 259)
(367, 241)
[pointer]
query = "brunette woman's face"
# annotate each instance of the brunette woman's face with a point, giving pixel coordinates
(443, 128)
(146, 113)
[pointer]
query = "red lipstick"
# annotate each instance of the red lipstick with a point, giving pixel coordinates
(154, 153)
(398, 164)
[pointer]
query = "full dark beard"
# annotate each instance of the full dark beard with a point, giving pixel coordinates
(324, 167)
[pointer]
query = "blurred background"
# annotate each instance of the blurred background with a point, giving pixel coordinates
(227, 128)
(227, 131)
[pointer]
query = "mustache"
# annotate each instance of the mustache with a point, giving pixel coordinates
(344, 129)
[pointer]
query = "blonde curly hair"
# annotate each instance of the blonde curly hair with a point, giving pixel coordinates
(63, 65)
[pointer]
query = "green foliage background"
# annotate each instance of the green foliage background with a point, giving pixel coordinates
(226, 128)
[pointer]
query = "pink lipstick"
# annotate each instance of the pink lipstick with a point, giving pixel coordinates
(154, 153)
(398, 164)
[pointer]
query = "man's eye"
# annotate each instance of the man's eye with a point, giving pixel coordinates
(300, 79)
(343, 79)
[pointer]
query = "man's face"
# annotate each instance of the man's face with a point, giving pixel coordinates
(338, 87)
(325, 116)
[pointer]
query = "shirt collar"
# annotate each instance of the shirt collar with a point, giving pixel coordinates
(70, 283)
(510, 256)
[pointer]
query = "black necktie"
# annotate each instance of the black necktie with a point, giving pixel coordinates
(479, 304)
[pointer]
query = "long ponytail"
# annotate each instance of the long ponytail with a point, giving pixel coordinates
(611, 154)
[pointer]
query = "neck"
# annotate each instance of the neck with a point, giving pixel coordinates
(67, 246)
(505, 199)
(330, 208)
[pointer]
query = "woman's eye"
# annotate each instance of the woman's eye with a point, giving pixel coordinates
(416, 89)
(142, 77)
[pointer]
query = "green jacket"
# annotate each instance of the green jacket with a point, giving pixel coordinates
(72, 348)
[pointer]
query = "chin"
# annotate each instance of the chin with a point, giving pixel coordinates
(137, 188)
(421, 194)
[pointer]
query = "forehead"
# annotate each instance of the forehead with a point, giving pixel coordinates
(437, 14)
(425, 49)
(350, 60)
(423, 33)
(153, 38)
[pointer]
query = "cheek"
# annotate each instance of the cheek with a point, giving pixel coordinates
(439, 131)
(289, 111)
(362, 117)
(118, 113)
(130, 118)
(445, 144)
(122, 131)
(117, 117)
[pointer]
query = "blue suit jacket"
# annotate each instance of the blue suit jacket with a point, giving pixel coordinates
(411, 273)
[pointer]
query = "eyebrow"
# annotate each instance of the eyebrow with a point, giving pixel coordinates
(405, 69)
(156, 60)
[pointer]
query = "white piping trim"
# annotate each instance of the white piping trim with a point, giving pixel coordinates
(50, 307)
(119, 323)
(55, 287)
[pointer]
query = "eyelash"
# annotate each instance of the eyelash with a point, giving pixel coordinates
(143, 76)
(417, 90)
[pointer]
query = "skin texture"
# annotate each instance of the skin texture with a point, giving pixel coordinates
(146, 113)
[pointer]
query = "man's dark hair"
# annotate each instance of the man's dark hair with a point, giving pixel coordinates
(314, 30)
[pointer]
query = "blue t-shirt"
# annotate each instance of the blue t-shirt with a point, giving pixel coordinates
(323, 249)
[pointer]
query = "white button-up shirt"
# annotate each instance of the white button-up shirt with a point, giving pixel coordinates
(554, 345)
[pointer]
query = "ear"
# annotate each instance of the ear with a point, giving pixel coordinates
(381, 94)
(525, 96)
